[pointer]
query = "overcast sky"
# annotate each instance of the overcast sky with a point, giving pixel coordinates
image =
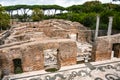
(63, 3)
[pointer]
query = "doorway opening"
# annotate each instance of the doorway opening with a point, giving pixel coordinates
(116, 50)
(17, 66)
(51, 61)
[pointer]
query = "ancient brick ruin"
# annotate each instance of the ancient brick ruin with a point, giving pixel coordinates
(54, 43)
(34, 45)
(106, 47)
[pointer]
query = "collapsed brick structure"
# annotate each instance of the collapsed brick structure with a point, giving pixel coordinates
(29, 42)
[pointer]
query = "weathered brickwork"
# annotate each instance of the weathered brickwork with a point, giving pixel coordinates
(32, 55)
(105, 45)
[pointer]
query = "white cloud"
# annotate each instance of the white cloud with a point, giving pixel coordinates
(64, 3)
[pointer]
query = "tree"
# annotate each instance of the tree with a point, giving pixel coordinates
(116, 21)
(76, 8)
(89, 20)
(37, 14)
(93, 6)
(4, 19)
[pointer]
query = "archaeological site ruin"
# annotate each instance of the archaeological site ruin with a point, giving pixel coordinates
(52, 44)
(38, 44)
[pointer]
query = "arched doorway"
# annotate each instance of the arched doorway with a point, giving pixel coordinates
(116, 50)
(17, 66)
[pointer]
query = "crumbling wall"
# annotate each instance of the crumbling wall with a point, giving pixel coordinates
(32, 55)
(84, 36)
(103, 46)
(56, 28)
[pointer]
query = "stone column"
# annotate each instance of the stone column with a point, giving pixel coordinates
(97, 26)
(110, 26)
(108, 34)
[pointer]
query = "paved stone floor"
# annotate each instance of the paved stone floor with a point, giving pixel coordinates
(102, 70)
